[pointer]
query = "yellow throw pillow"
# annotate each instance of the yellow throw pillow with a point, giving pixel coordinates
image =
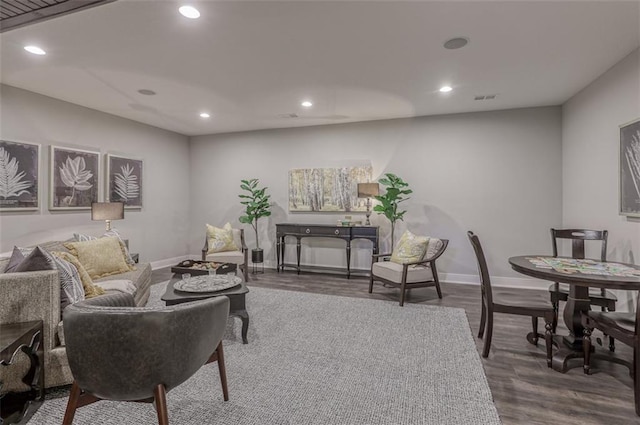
(410, 248)
(220, 240)
(90, 290)
(100, 257)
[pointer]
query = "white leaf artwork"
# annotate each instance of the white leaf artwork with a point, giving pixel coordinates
(74, 174)
(11, 180)
(126, 183)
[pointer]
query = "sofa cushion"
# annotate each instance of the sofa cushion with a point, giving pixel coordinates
(90, 290)
(220, 239)
(100, 257)
(410, 248)
(37, 260)
(79, 237)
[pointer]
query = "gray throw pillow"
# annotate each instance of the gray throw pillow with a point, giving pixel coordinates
(16, 258)
(39, 259)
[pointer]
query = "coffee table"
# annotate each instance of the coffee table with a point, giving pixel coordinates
(236, 296)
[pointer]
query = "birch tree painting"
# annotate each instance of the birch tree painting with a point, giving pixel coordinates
(124, 176)
(19, 173)
(327, 189)
(630, 169)
(74, 175)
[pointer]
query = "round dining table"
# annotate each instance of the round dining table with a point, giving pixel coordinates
(597, 275)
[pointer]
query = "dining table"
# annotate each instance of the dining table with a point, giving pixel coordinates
(580, 275)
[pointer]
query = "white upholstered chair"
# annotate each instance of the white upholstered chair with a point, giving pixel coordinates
(239, 257)
(417, 274)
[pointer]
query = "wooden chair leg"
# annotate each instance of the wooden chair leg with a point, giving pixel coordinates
(72, 404)
(435, 278)
(636, 377)
(548, 327)
(160, 398)
(586, 345)
(612, 343)
(223, 372)
(487, 338)
(403, 289)
(534, 325)
(556, 306)
(371, 283)
(483, 321)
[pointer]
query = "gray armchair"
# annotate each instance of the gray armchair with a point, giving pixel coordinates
(118, 351)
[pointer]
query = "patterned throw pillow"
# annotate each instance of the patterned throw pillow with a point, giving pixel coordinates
(100, 257)
(220, 240)
(410, 248)
(71, 289)
(90, 290)
(79, 237)
(16, 258)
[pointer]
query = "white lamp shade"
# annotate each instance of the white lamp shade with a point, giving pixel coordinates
(107, 211)
(368, 190)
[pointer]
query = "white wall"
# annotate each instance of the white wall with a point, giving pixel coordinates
(496, 173)
(590, 147)
(158, 231)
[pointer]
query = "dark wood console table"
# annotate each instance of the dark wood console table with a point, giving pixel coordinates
(25, 337)
(299, 231)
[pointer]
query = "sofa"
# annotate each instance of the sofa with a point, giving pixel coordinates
(35, 295)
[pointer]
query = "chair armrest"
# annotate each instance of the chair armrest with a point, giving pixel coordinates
(434, 257)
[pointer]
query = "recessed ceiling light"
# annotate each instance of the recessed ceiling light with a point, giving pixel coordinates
(35, 50)
(189, 12)
(204, 115)
(147, 92)
(456, 43)
(445, 89)
(307, 104)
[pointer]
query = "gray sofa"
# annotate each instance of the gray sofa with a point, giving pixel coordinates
(30, 296)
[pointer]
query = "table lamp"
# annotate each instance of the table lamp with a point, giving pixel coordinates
(368, 190)
(107, 211)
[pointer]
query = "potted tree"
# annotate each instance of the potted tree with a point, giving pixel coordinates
(395, 190)
(256, 203)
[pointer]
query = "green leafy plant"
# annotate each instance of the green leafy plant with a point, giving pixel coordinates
(256, 204)
(395, 191)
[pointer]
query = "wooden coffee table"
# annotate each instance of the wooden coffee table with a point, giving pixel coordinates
(236, 296)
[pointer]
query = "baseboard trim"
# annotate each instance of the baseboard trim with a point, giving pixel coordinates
(168, 262)
(496, 281)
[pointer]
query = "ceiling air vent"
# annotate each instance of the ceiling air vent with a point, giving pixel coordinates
(486, 97)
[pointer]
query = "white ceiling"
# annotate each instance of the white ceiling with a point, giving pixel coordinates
(250, 63)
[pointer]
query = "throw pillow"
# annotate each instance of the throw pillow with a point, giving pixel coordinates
(37, 260)
(410, 248)
(90, 290)
(16, 258)
(79, 237)
(71, 289)
(220, 240)
(100, 257)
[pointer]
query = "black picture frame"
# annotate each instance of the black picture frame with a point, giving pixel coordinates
(124, 180)
(19, 176)
(74, 176)
(630, 169)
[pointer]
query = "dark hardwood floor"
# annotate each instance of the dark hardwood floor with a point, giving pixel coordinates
(525, 391)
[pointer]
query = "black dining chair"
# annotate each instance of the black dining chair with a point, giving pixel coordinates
(507, 303)
(602, 298)
(624, 328)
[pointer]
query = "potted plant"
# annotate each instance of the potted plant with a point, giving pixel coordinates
(256, 203)
(395, 189)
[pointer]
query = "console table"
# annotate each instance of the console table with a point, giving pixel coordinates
(299, 231)
(25, 337)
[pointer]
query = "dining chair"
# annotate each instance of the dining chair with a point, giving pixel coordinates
(508, 303)
(624, 328)
(602, 298)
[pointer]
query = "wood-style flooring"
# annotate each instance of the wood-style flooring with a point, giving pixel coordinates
(525, 391)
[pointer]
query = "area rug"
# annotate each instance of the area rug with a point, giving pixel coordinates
(322, 359)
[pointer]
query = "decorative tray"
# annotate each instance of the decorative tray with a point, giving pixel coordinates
(207, 283)
(196, 267)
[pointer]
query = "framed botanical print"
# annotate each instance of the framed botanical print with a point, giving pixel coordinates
(630, 169)
(74, 178)
(19, 176)
(124, 180)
